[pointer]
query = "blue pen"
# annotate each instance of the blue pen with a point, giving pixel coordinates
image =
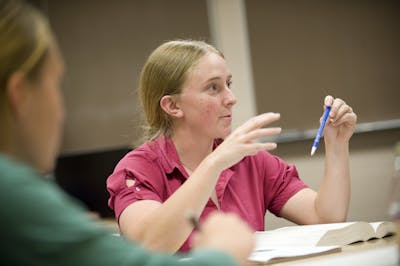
(320, 130)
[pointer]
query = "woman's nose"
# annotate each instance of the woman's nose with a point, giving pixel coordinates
(230, 98)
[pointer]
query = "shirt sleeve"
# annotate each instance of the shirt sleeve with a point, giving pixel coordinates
(146, 177)
(282, 182)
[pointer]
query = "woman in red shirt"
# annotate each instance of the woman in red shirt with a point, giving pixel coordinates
(192, 160)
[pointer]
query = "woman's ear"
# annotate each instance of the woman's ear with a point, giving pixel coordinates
(169, 105)
(16, 93)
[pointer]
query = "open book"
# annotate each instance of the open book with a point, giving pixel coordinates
(306, 240)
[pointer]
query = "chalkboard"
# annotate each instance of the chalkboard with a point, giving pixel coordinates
(105, 44)
(303, 50)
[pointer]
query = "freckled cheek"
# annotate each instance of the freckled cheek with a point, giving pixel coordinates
(210, 111)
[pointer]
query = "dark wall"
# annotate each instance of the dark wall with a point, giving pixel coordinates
(84, 177)
(305, 49)
(105, 44)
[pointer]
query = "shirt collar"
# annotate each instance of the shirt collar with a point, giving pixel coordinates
(170, 161)
(170, 158)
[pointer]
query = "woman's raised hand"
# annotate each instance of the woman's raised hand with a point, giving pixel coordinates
(342, 120)
(243, 141)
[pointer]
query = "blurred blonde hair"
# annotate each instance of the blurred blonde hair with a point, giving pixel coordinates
(24, 41)
(163, 74)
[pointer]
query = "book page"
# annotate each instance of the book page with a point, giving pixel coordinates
(302, 235)
(351, 233)
(271, 240)
(315, 227)
(285, 253)
(383, 228)
(333, 234)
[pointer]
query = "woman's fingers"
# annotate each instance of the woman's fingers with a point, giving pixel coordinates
(257, 122)
(242, 141)
(328, 100)
(349, 119)
(254, 148)
(341, 113)
(260, 133)
(337, 103)
(343, 109)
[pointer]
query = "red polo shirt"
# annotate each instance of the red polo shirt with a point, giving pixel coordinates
(249, 188)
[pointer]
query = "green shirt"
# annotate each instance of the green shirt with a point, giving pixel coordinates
(41, 225)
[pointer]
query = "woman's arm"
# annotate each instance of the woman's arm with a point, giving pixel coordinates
(330, 203)
(164, 226)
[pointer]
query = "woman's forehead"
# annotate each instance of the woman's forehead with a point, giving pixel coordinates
(209, 66)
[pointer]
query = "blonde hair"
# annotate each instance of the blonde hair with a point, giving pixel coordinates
(24, 41)
(163, 74)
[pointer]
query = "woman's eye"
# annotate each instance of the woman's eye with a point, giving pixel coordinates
(229, 83)
(213, 87)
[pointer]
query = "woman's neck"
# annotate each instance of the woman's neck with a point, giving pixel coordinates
(191, 149)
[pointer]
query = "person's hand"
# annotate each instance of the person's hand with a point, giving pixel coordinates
(226, 233)
(342, 120)
(242, 141)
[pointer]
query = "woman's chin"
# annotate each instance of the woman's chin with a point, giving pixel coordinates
(225, 134)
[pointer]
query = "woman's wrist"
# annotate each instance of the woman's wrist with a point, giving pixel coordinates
(336, 149)
(211, 162)
(339, 143)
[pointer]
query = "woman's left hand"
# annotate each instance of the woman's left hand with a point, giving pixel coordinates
(342, 120)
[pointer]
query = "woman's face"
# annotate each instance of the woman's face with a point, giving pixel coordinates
(206, 99)
(43, 115)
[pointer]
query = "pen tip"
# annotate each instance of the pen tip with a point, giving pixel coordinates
(313, 149)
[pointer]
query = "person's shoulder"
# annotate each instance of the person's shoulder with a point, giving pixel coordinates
(147, 155)
(23, 187)
(148, 151)
(13, 172)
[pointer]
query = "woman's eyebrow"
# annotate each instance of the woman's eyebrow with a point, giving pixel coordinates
(218, 78)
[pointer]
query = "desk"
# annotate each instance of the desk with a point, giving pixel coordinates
(374, 252)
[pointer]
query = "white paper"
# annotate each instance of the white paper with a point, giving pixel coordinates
(287, 252)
